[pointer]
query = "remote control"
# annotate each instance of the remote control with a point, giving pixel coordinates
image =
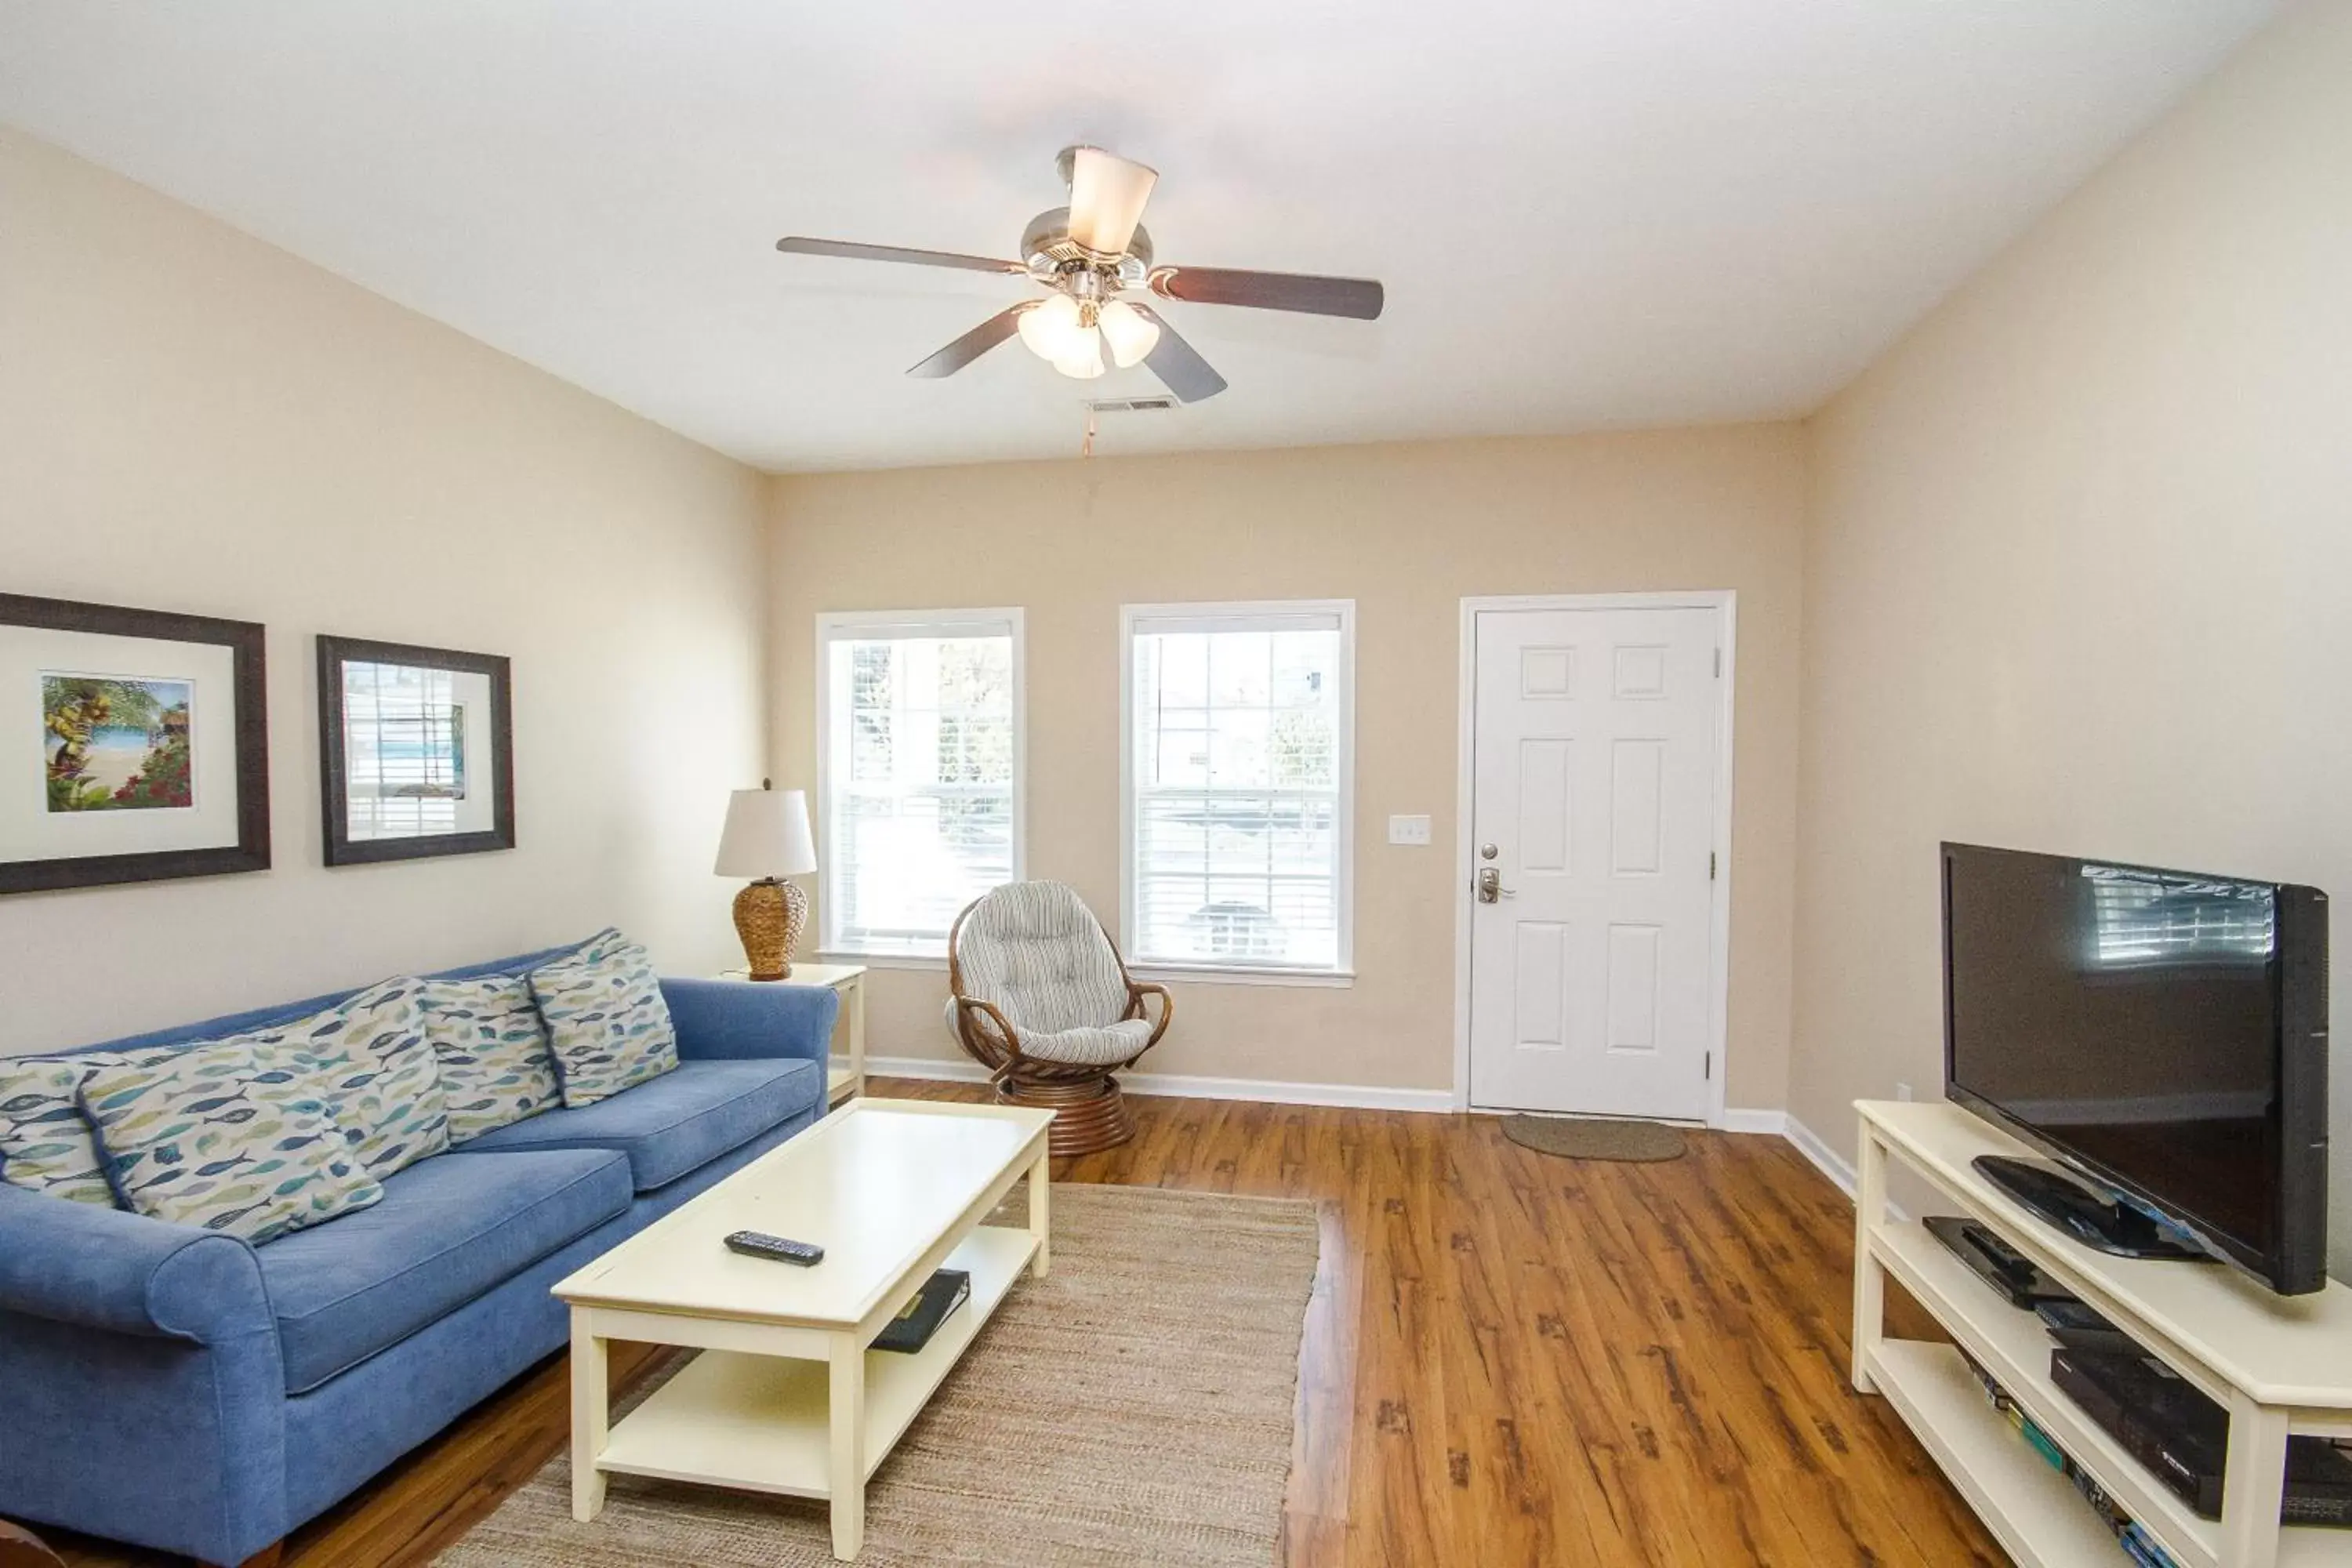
(759, 1244)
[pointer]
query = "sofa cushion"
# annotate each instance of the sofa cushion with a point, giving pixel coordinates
(492, 1050)
(233, 1136)
(449, 1229)
(606, 1021)
(681, 1121)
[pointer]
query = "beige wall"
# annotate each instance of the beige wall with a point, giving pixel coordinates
(2076, 573)
(1407, 530)
(192, 420)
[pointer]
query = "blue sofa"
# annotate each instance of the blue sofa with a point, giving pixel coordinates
(183, 1390)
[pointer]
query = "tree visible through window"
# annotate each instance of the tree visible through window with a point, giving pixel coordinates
(1237, 811)
(920, 811)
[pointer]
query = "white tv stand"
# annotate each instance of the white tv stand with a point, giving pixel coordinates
(2279, 1364)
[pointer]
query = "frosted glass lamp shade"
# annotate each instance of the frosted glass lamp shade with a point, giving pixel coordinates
(767, 835)
(1051, 330)
(1130, 335)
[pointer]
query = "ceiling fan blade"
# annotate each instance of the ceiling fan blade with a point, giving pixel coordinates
(1107, 197)
(1178, 364)
(1360, 298)
(973, 344)
(850, 250)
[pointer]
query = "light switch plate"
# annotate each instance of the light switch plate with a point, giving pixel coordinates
(1408, 829)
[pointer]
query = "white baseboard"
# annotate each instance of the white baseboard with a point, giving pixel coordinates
(1831, 1164)
(956, 1071)
(1346, 1096)
(1350, 1096)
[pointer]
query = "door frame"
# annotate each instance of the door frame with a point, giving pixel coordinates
(1725, 603)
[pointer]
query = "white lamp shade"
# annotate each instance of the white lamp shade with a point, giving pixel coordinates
(1130, 334)
(1085, 360)
(1051, 330)
(767, 835)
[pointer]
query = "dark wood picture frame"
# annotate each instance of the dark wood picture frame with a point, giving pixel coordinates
(248, 679)
(333, 769)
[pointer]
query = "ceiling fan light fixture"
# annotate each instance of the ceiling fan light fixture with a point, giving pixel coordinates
(1085, 360)
(1050, 331)
(1130, 337)
(1107, 193)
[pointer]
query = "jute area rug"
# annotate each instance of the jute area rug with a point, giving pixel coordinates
(1132, 1408)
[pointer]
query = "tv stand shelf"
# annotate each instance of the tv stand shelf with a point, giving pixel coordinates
(2279, 1364)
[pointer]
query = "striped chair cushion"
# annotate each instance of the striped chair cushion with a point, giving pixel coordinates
(1036, 952)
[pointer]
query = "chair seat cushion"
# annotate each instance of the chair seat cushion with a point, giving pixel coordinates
(448, 1229)
(1112, 1045)
(679, 1121)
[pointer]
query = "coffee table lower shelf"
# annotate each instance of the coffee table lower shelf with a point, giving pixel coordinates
(762, 1424)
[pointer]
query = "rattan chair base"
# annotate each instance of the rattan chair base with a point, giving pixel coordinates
(1090, 1114)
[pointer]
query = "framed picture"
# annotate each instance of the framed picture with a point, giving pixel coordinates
(417, 747)
(134, 745)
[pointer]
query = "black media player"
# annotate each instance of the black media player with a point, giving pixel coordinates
(2183, 1437)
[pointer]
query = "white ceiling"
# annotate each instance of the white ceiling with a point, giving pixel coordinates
(1587, 213)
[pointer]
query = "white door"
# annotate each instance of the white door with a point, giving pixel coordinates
(1593, 815)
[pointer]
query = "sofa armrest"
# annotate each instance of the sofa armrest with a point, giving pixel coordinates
(730, 1020)
(145, 1356)
(108, 1269)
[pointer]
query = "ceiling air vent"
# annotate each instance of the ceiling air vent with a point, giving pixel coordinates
(1132, 404)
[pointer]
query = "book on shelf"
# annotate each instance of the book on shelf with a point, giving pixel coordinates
(925, 1310)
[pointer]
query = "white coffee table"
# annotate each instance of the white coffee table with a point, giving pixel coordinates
(785, 1397)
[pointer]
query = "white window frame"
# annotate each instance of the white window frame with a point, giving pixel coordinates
(1244, 615)
(836, 625)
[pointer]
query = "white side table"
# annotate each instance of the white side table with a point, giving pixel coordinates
(848, 981)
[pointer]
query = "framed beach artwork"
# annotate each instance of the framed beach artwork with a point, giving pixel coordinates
(418, 751)
(134, 745)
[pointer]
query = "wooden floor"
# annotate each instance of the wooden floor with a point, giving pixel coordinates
(1510, 1360)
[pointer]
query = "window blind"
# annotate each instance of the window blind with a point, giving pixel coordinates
(921, 778)
(1238, 783)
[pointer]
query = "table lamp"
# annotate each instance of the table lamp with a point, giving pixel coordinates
(767, 839)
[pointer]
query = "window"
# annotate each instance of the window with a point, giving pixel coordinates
(919, 774)
(1239, 773)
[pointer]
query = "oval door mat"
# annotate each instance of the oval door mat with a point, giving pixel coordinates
(1578, 1138)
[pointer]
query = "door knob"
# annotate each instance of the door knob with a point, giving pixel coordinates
(1490, 885)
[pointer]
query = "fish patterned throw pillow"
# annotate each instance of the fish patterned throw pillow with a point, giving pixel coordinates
(495, 1066)
(46, 1144)
(606, 1021)
(230, 1135)
(377, 1072)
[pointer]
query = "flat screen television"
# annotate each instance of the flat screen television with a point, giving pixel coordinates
(2163, 1036)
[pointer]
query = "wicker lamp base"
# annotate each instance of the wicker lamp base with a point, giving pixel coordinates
(769, 915)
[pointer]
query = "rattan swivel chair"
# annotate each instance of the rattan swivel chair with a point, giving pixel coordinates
(1039, 995)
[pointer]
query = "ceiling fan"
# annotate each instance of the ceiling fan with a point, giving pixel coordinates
(1087, 254)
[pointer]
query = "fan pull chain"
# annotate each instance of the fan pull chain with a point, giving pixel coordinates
(1087, 446)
